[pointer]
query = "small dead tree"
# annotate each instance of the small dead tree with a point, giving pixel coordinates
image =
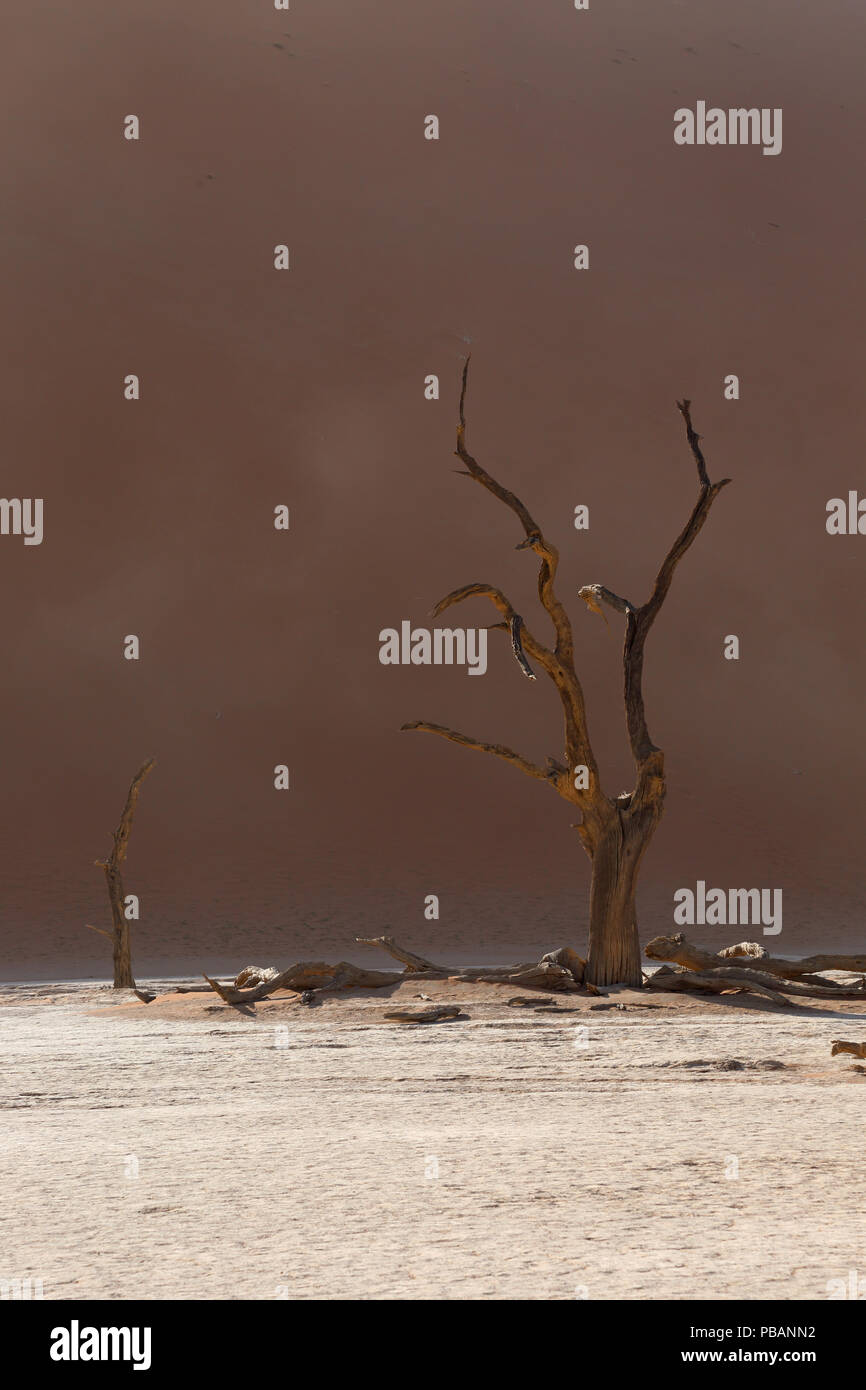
(615, 831)
(119, 935)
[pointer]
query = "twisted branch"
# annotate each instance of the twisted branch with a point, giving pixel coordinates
(647, 757)
(520, 635)
(559, 664)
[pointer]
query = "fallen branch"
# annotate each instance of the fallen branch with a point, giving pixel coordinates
(682, 952)
(308, 976)
(734, 975)
(560, 970)
(708, 983)
(795, 987)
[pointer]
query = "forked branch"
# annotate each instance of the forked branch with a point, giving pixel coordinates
(639, 620)
(535, 540)
(559, 663)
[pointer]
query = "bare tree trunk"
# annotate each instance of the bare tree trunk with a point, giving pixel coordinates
(614, 946)
(121, 950)
(123, 977)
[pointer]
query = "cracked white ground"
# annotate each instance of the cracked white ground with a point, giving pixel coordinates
(294, 1152)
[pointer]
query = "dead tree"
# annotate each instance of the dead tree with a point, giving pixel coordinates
(615, 831)
(119, 935)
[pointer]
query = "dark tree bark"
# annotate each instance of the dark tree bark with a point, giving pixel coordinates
(615, 831)
(119, 935)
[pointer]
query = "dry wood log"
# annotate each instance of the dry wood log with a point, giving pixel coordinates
(436, 1014)
(144, 995)
(547, 973)
(553, 972)
(707, 983)
(796, 987)
(683, 952)
(856, 1049)
(771, 984)
(309, 976)
(123, 977)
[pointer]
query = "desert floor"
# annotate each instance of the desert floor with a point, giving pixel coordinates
(665, 1149)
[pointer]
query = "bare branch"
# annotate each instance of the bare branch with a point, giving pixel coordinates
(497, 749)
(474, 469)
(535, 540)
(515, 625)
(684, 408)
(593, 593)
(536, 649)
(560, 663)
(647, 756)
(513, 622)
(411, 961)
(577, 746)
(121, 834)
(701, 510)
(638, 625)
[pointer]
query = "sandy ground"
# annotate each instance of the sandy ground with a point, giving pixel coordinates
(187, 1150)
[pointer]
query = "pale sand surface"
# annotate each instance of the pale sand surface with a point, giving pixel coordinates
(301, 1170)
